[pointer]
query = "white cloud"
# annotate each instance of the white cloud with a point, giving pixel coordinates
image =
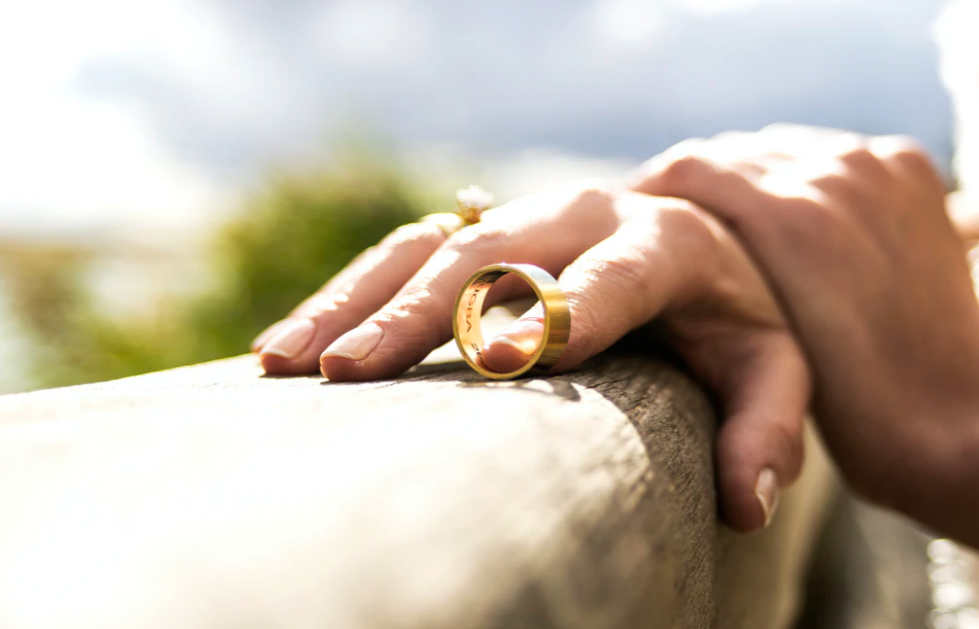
(369, 32)
(68, 160)
(630, 24)
(716, 7)
(147, 108)
(74, 162)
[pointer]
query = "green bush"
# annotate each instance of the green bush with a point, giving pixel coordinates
(281, 246)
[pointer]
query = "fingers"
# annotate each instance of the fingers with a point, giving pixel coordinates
(750, 153)
(267, 334)
(661, 263)
(776, 217)
(719, 186)
(907, 160)
(419, 318)
(741, 177)
(760, 444)
(654, 261)
(294, 345)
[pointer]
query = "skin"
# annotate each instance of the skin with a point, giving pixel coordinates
(846, 235)
(623, 259)
(852, 235)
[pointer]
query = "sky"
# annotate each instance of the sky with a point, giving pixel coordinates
(158, 112)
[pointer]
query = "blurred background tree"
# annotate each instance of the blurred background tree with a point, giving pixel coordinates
(275, 250)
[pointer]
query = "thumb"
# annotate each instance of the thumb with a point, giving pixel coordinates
(760, 444)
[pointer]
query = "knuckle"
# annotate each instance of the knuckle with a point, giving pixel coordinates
(917, 161)
(856, 153)
(683, 170)
(597, 277)
(661, 173)
(910, 164)
(620, 275)
(591, 185)
(412, 317)
(853, 151)
(323, 304)
(409, 306)
(834, 184)
(610, 280)
(586, 198)
(905, 152)
(684, 223)
(592, 193)
(481, 237)
(684, 216)
(411, 233)
(912, 159)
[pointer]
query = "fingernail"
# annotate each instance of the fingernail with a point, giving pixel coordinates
(357, 344)
(292, 339)
(767, 491)
(267, 334)
(523, 335)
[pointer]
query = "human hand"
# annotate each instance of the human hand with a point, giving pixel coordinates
(964, 213)
(852, 234)
(622, 259)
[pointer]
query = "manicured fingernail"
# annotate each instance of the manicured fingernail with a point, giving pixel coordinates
(767, 491)
(267, 334)
(523, 335)
(357, 344)
(292, 339)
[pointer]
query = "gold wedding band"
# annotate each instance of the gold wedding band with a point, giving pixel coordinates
(471, 203)
(469, 309)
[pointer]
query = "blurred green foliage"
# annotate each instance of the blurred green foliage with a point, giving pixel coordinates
(282, 245)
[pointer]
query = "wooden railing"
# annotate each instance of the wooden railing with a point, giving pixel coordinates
(212, 497)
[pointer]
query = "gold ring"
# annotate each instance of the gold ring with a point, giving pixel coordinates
(469, 309)
(471, 202)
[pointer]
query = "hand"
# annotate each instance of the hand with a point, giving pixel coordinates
(853, 237)
(964, 213)
(622, 259)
